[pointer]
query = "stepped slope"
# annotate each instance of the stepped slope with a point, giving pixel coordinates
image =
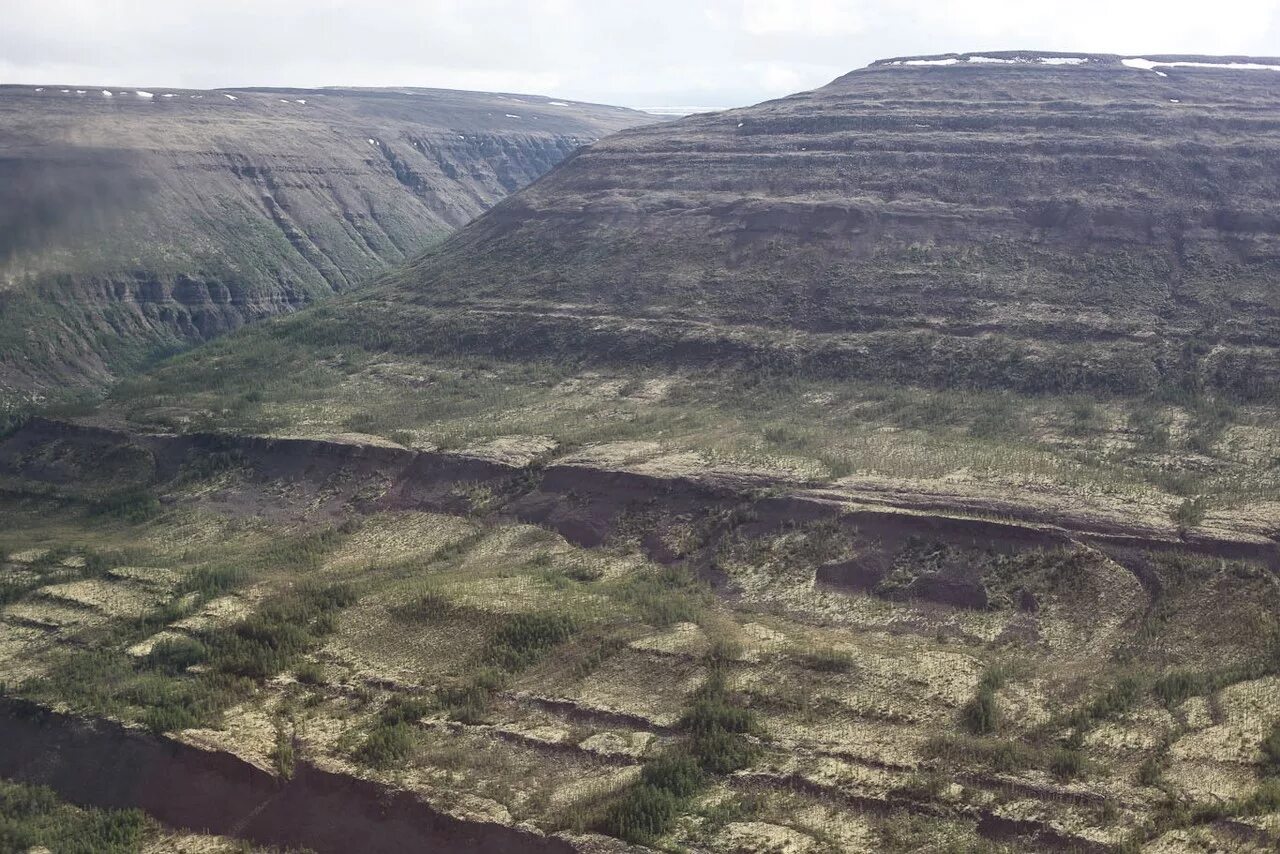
(1040, 222)
(135, 218)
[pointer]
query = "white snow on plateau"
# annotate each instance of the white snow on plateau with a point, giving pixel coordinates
(510, 116)
(1152, 65)
(992, 59)
(951, 61)
(107, 93)
(556, 104)
(302, 101)
(230, 97)
(168, 95)
(41, 89)
(1062, 60)
(141, 94)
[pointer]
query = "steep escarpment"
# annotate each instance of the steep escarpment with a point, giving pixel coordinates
(135, 220)
(1025, 221)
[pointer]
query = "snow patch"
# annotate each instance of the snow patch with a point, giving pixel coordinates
(556, 104)
(168, 95)
(1174, 101)
(1063, 60)
(79, 91)
(510, 116)
(142, 94)
(302, 101)
(1151, 65)
(951, 61)
(740, 124)
(373, 141)
(41, 89)
(66, 91)
(107, 93)
(230, 97)
(992, 59)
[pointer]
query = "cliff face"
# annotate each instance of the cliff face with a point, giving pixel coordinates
(1027, 221)
(132, 220)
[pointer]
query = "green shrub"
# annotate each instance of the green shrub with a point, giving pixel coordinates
(718, 727)
(1175, 687)
(177, 654)
(387, 745)
(678, 773)
(525, 638)
(1066, 763)
(826, 660)
(426, 607)
(468, 703)
(1271, 751)
(981, 715)
(309, 672)
(993, 753)
(134, 505)
(32, 817)
(1190, 513)
(644, 814)
(670, 595)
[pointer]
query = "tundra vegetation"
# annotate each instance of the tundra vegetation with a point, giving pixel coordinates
(825, 502)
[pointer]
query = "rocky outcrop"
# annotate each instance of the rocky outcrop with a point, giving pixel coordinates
(135, 222)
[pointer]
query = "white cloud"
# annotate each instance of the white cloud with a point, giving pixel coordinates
(711, 52)
(813, 17)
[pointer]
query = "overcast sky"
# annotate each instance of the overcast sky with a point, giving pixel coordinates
(629, 52)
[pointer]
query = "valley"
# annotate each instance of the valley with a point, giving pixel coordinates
(889, 467)
(135, 223)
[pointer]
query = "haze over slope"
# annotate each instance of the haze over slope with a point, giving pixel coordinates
(1034, 222)
(134, 218)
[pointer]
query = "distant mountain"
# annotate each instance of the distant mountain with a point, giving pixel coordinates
(1034, 221)
(137, 220)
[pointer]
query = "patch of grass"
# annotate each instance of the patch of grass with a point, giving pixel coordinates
(994, 753)
(826, 659)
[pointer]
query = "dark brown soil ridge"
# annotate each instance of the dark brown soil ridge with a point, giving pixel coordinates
(589, 505)
(104, 764)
